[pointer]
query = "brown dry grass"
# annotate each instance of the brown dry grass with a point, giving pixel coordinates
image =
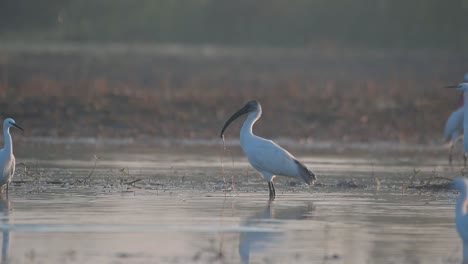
(353, 97)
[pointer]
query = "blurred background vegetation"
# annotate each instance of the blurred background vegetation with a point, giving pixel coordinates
(293, 23)
(343, 70)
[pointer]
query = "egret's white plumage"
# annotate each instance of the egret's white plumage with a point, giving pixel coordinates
(454, 126)
(264, 155)
(461, 214)
(7, 159)
(464, 88)
(454, 129)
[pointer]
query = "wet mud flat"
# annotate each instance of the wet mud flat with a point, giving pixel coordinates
(154, 205)
(206, 166)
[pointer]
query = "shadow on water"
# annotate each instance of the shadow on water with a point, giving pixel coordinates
(271, 215)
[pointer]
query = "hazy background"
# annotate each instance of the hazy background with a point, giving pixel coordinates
(344, 70)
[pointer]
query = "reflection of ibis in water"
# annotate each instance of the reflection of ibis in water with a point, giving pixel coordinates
(266, 156)
(257, 241)
(7, 159)
(461, 214)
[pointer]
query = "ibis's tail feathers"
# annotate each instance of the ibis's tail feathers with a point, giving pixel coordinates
(307, 175)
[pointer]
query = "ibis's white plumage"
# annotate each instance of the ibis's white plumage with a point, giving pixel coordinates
(7, 159)
(264, 155)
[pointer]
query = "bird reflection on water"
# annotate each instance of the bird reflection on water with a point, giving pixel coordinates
(254, 242)
(4, 218)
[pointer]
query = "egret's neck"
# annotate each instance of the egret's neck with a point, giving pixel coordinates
(246, 130)
(8, 145)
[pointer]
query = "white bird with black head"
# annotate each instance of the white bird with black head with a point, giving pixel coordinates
(7, 159)
(264, 155)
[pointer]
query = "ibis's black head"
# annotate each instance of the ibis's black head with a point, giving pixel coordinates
(252, 106)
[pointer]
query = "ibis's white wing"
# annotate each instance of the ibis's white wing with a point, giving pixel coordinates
(267, 156)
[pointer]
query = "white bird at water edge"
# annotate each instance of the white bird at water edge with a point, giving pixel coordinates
(461, 214)
(464, 88)
(264, 155)
(7, 159)
(453, 130)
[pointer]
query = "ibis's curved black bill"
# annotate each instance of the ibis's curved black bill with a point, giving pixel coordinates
(243, 110)
(452, 86)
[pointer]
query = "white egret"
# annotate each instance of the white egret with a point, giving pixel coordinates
(464, 88)
(461, 214)
(265, 155)
(7, 159)
(453, 130)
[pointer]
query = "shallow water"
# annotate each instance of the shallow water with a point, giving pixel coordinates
(160, 205)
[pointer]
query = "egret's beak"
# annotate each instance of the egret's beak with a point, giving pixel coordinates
(452, 86)
(243, 110)
(18, 127)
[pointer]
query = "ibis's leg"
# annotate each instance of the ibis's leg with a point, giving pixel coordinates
(7, 188)
(272, 190)
(269, 189)
(464, 158)
(450, 154)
